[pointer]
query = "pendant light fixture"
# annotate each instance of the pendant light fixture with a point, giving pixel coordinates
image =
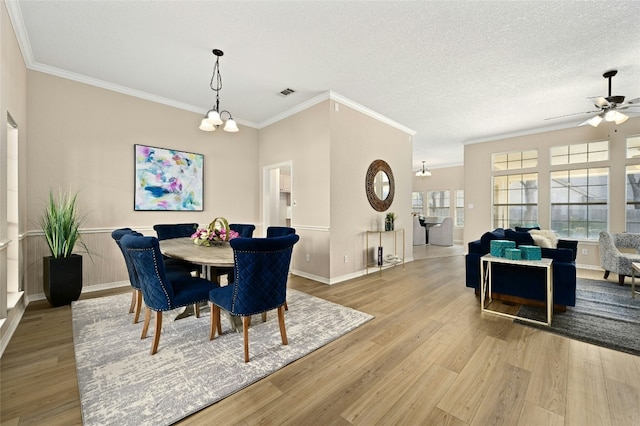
(214, 117)
(424, 172)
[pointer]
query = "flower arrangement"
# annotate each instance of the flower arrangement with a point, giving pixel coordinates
(217, 232)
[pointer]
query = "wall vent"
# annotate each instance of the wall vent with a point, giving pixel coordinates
(287, 92)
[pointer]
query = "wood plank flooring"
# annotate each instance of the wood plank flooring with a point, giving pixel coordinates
(427, 358)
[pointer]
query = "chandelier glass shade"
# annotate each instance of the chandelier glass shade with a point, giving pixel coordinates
(424, 172)
(215, 118)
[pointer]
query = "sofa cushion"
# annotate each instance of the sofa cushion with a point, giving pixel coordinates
(485, 240)
(520, 238)
(525, 229)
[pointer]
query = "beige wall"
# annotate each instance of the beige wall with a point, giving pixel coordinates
(443, 179)
(81, 137)
(13, 93)
(477, 160)
(331, 151)
(357, 140)
(303, 139)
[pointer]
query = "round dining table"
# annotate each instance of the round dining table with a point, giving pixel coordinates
(209, 258)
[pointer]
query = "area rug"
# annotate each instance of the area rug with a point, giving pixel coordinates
(605, 315)
(120, 383)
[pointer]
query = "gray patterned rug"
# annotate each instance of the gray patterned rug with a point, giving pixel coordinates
(605, 315)
(121, 384)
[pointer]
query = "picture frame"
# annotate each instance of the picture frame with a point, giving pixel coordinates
(167, 179)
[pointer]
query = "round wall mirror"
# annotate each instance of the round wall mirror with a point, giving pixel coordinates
(380, 185)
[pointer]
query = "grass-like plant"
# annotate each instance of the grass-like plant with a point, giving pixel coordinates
(61, 224)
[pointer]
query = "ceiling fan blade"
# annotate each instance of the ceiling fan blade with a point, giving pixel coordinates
(633, 103)
(569, 115)
(601, 102)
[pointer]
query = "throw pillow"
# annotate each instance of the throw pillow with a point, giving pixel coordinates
(520, 238)
(541, 241)
(548, 234)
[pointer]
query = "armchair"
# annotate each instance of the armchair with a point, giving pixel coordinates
(442, 234)
(419, 232)
(261, 272)
(161, 293)
(612, 259)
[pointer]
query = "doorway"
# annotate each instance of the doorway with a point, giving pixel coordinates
(276, 194)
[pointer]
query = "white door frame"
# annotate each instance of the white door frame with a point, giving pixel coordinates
(269, 194)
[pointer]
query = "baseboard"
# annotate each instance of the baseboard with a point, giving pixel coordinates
(12, 324)
(336, 280)
(85, 289)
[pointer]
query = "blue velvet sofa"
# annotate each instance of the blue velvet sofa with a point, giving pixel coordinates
(525, 285)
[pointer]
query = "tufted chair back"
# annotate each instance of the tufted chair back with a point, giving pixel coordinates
(175, 230)
(117, 236)
(245, 230)
(261, 270)
(145, 254)
(279, 231)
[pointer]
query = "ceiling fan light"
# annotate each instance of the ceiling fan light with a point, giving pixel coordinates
(230, 126)
(611, 115)
(206, 126)
(621, 118)
(214, 118)
(595, 121)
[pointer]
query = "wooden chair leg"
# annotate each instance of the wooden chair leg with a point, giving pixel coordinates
(621, 279)
(245, 336)
(283, 330)
(286, 307)
(196, 309)
(264, 317)
(133, 300)
(215, 321)
(156, 336)
(136, 316)
(147, 320)
(219, 322)
(606, 274)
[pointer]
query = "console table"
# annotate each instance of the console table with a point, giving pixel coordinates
(485, 284)
(378, 235)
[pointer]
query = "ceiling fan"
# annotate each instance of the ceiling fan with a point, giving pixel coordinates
(608, 108)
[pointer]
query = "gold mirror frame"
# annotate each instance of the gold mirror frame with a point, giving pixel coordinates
(375, 167)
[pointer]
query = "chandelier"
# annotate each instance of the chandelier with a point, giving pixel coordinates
(214, 117)
(424, 172)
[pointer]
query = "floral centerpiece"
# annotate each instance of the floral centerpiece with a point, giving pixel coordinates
(216, 233)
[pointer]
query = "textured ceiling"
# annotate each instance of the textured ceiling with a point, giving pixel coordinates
(454, 72)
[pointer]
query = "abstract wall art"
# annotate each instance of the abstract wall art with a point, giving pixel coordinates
(167, 179)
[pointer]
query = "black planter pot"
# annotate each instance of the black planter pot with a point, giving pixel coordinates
(62, 279)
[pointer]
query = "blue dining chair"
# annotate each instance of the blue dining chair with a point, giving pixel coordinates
(161, 293)
(279, 231)
(173, 272)
(245, 230)
(167, 231)
(261, 268)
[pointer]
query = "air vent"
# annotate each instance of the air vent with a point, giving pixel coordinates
(287, 92)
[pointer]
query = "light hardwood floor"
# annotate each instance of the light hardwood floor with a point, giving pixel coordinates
(427, 358)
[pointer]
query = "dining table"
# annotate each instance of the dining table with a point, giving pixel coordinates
(210, 258)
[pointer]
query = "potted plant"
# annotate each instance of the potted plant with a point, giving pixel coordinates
(62, 271)
(389, 221)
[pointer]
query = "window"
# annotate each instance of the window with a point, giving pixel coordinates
(633, 199)
(579, 202)
(417, 204)
(633, 147)
(438, 204)
(515, 160)
(515, 200)
(580, 153)
(459, 220)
